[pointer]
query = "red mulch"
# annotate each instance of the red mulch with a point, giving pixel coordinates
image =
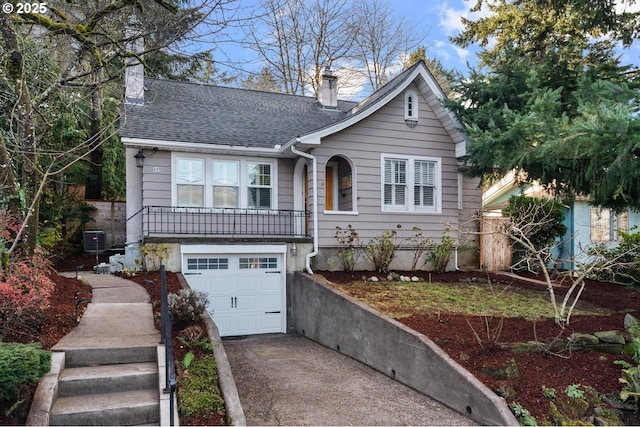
(451, 332)
(59, 320)
(588, 368)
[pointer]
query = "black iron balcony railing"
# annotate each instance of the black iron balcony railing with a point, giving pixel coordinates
(170, 221)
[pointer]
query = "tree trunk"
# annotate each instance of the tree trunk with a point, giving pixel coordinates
(25, 131)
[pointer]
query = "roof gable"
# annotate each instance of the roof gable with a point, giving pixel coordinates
(419, 75)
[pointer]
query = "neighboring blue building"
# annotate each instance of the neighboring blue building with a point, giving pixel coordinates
(585, 224)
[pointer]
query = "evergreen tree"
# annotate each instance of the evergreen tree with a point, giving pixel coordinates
(553, 101)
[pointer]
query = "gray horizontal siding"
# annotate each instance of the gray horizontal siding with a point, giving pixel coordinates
(156, 179)
(285, 184)
(386, 132)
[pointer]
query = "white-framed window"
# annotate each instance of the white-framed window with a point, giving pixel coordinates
(190, 178)
(411, 110)
(411, 184)
(223, 182)
(226, 184)
(605, 224)
(259, 186)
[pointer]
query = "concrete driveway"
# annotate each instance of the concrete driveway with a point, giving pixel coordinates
(291, 380)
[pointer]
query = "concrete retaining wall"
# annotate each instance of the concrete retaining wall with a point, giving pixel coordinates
(337, 321)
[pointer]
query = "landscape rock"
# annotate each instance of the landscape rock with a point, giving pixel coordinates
(630, 321)
(504, 372)
(374, 279)
(583, 339)
(415, 279)
(610, 337)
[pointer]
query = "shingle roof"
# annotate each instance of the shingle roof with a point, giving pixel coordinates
(195, 113)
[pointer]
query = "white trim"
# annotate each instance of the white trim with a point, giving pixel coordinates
(298, 184)
(233, 249)
(336, 184)
(409, 206)
(198, 147)
(314, 189)
(341, 213)
(415, 109)
(460, 191)
(208, 181)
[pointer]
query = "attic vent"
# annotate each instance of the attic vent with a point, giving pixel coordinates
(411, 108)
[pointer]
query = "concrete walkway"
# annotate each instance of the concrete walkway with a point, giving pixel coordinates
(291, 380)
(119, 314)
(105, 371)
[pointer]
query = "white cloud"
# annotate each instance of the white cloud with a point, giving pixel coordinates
(451, 17)
(627, 6)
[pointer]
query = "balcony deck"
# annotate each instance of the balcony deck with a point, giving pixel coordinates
(167, 221)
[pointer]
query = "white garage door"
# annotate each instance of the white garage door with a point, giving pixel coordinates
(246, 291)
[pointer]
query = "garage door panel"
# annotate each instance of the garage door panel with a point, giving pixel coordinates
(224, 323)
(245, 291)
(270, 302)
(247, 283)
(270, 322)
(247, 324)
(247, 302)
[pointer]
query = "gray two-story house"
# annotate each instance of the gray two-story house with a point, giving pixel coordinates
(246, 187)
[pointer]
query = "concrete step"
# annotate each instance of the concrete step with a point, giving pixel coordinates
(130, 408)
(108, 379)
(80, 357)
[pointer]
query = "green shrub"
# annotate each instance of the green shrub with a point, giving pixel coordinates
(381, 251)
(420, 245)
(187, 305)
(522, 415)
(631, 374)
(349, 253)
(441, 253)
(198, 392)
(21, 365)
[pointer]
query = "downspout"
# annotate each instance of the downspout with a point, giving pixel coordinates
(314, 180)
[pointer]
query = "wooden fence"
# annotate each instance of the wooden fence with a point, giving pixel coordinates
(495, 247)
(109, 217)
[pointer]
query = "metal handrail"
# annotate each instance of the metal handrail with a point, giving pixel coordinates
(167, 340)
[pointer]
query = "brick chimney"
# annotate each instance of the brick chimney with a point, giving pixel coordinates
(328, 90)
(134, 71)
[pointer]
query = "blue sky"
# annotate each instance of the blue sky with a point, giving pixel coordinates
(442, 19)
(437, 20)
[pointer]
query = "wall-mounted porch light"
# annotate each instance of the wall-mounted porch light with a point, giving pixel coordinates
(139, 158)
(293, 249)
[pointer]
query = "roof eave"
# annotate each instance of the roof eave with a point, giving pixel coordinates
(194, 147)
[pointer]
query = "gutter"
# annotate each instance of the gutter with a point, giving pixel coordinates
(314, 179)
